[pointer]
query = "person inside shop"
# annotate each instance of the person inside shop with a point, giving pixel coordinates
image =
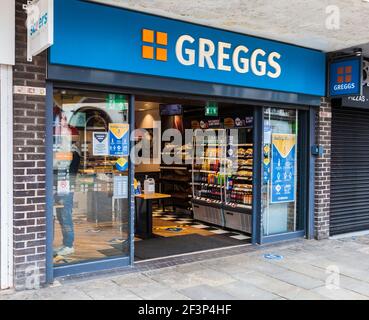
(64, 212)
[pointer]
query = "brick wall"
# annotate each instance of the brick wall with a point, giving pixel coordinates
(323, 171)
(29, 163)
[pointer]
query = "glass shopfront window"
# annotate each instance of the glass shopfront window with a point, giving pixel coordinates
(280, 210)
(91, 181)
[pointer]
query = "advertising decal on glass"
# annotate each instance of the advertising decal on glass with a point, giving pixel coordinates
(119, 139)
(120, 187)
(266, 153)
(122, 164)
(100, 144)
(63, 187)
(283, 168)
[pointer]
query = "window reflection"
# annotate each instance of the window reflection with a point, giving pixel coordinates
(90, 188)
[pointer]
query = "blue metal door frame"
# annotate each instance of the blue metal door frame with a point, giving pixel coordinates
(257, 174)
(87, 266)
(307, 175)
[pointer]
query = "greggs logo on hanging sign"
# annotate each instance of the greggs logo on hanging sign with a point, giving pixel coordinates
(140, 43)
(345, 77)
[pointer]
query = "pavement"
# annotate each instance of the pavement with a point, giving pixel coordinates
(295, 270)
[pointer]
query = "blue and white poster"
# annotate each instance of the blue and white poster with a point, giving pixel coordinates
(119, 139)
(283, 168)
(100, 144)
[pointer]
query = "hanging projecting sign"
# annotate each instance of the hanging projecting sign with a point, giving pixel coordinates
(102, 37)
(283, 168)
(345, 77)
(119, 139)
(40, 25)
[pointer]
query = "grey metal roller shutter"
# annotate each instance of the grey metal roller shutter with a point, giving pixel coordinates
(349, 171)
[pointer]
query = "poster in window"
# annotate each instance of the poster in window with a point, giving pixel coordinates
(283, 168)
(100, 143)
(119, 139)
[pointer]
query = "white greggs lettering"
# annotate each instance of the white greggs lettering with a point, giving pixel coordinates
(258, 60)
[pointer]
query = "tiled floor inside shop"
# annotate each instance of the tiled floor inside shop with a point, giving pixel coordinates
(174, 234)
(177, 233)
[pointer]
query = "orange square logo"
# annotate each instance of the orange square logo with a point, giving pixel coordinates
(348, 78)
(148, 35)
(147, 52)
(162, 38)
(154, 47)
(348, 69)
(340, 79)
(161, 54)
(340, 70)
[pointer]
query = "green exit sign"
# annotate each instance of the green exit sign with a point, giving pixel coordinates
(117, 102)
(211, 109)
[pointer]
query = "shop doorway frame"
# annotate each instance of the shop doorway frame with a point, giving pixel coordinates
(133, 84)
(306, 174)
(53, 271)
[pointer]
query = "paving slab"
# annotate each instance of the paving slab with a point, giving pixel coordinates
(211, 277)
(107, 290)
(339, 294)
(246, 291)
(355, 285)
(150, 290)
(276, 286)
(174, 279)
(133, 280)
(24, 295)
(205, 292)
(63, 293)
(298, 279)
(305, 269)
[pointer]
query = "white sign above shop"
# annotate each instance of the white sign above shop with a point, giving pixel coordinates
(40, 25)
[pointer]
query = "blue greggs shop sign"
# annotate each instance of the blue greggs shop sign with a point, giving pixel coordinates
(345, 77)
(101, 37)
